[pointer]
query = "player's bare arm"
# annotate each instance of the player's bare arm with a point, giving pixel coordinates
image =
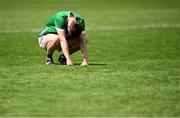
(83, 47)
(64, 46)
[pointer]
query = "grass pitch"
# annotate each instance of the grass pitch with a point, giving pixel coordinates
(134, 54)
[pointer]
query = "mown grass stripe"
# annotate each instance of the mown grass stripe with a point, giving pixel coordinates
(101, 28)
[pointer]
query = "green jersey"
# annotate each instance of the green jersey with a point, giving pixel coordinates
(59, 21)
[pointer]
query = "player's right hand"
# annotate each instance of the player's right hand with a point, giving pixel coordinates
(69, 63)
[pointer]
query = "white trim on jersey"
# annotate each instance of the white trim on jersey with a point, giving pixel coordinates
(83, 32)
(60, 29)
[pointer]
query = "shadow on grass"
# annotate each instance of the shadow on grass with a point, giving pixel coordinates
(90, 64)
(97, 64)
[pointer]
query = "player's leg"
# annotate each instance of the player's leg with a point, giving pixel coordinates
(52, 43)
(74, 46)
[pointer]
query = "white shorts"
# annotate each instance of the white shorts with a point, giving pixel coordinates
(41, 41)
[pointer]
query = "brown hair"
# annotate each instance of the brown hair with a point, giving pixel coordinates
(75, 28)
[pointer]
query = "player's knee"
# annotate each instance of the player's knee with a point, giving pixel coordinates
(53, 43)
(56, 42)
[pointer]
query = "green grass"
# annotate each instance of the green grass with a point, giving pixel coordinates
(134, 56)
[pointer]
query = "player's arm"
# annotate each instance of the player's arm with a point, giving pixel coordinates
(83, 46)
(64, 46)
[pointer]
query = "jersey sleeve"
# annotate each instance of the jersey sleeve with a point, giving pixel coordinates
(59, 22)
(83, 25)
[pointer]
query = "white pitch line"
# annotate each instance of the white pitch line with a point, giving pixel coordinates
(20, 30)
(157, 26)
(101, 28)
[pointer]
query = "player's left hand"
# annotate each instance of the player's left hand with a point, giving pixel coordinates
(84, 64)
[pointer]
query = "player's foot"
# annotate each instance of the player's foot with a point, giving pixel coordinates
(49, 61)
(62, 59)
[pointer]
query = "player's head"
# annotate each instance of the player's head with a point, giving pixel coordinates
(74, 27)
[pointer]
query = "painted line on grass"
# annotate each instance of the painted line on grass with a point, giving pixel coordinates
(101, 28)
(155, 26)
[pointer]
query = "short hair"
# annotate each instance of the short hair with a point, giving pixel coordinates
(75, 29)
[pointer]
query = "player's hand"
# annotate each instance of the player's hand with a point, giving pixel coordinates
(84, 64)
(69, 63)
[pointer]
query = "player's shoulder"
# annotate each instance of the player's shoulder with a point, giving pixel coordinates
(60, 16)
(78, 15)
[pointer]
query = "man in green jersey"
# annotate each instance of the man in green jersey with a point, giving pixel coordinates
(65, 31)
